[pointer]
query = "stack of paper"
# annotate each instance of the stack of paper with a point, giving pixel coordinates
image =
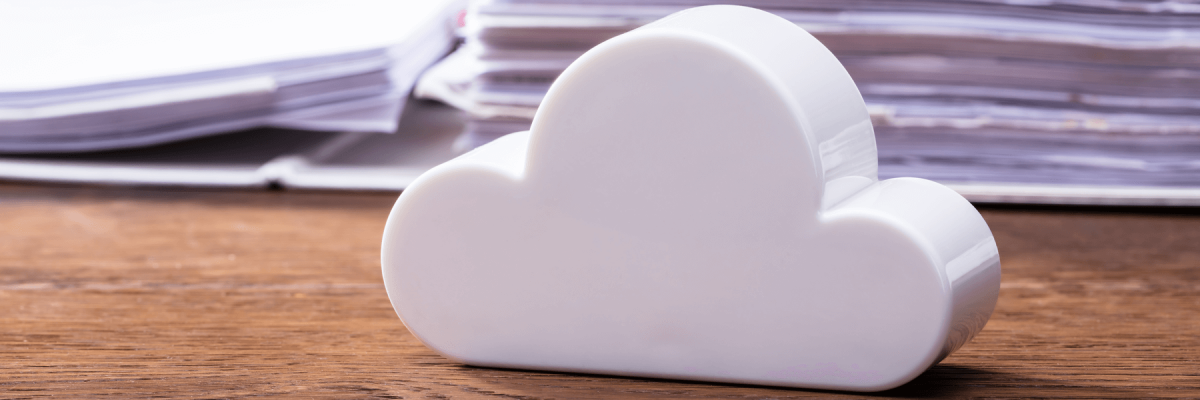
(83, 75)
(1100, 94)
(429, 134)
(264, 157)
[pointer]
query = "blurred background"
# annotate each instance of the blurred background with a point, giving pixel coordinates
(1025, 101)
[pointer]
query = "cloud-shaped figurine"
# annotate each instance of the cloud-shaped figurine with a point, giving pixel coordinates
(697, 199)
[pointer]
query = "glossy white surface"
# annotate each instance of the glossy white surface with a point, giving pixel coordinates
(596, 242)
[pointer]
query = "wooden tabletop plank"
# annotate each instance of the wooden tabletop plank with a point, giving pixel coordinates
(146, 292)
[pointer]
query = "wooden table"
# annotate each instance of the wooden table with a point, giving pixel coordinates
(143, 292)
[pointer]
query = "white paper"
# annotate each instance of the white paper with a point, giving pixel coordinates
(94, 76)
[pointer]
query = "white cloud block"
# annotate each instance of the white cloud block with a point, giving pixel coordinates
(697, 199)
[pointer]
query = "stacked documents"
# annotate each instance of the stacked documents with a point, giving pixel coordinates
(1094, 94)
(82, 75)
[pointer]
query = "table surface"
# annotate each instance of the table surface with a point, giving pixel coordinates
(203, 293)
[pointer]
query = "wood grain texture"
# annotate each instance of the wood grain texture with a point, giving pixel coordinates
(108, 292)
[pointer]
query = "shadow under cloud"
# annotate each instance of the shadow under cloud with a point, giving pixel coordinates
(940, 381)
